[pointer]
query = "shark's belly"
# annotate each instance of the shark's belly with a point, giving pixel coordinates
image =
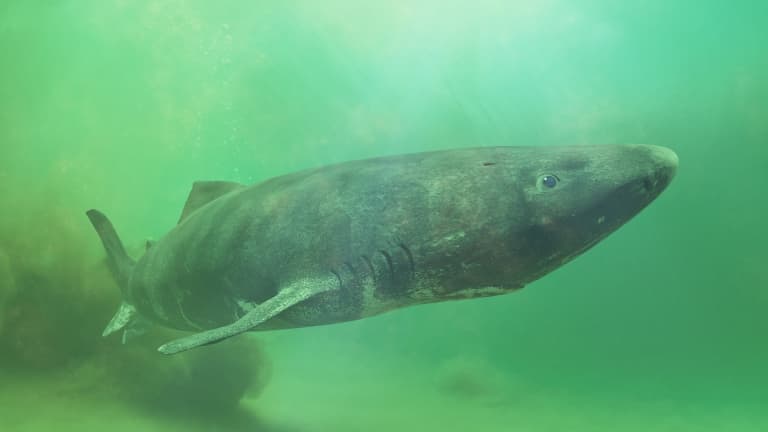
(169, 291)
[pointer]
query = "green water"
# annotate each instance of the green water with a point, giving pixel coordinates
(120, 105)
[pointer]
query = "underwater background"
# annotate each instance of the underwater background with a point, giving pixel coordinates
(121, 105)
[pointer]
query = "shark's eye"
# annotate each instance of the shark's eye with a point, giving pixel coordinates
(548, 181)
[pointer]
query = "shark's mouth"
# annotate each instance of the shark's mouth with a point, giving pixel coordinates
(552, 243)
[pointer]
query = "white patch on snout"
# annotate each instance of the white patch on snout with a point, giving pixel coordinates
(600, 220)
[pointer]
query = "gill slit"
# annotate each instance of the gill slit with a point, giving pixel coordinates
(338, 276)
(388, 258)
(370, 266)
(410, 257)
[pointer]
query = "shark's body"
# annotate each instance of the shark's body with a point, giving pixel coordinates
(356, 239)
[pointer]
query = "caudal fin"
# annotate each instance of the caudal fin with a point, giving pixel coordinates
(121, 266)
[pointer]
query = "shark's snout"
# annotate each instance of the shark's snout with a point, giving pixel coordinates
(664, 164)
(664, 157)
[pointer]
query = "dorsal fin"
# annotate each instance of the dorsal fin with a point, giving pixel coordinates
(204, 192)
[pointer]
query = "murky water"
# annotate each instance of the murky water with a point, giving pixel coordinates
(121, 105)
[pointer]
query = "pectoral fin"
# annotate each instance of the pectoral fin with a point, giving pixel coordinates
(285, 298)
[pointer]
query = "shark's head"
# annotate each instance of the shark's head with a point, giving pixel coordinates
(532, 209)
(576, 196)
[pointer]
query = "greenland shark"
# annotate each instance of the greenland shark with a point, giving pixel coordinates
(356, 239)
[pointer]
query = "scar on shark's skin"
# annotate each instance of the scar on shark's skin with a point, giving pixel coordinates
(356, 239)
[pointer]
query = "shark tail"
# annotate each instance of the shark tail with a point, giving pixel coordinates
(121, 266)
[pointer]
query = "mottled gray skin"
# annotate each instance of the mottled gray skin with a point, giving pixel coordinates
(394, 231)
